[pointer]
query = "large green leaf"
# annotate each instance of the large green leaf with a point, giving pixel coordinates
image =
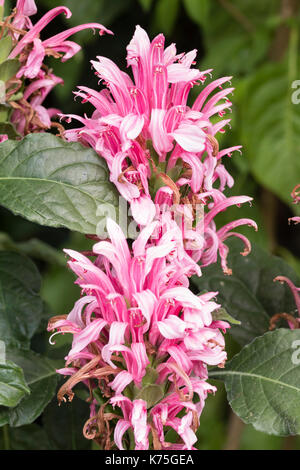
(41, 378)
(270, 124)
(12, 384)
(30, 437)
(20, 304)
(249, 294)
(263, 382)
(237, 35)
(3, 415)
(54, 183)
(63, 424)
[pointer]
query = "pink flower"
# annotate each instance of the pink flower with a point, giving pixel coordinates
(56, 44)
(35, 94)
(144, 127)
(24, 9)
(133, 315)
(29, 114)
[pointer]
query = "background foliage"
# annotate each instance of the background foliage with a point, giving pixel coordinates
(258, 44)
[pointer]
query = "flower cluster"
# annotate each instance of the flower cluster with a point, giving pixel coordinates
(141, 337)
(138, 324)
(28, 88)
(159, 149)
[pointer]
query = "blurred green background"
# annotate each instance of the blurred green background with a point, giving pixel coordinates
(258, 44)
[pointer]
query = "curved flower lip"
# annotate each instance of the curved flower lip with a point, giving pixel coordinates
(230, 201)
(295, 290)
(61, 37)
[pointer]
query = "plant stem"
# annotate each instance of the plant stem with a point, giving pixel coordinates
(6, 437)
(235, 428)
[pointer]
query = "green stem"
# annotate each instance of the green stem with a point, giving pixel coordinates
(6, 439)
(293, 53)
(131, 440)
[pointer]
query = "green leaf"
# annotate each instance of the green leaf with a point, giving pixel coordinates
(3, 415)
(20, 304)
(63, 424)
(5, 47)
(146, 4)
(41, 377)
(12, 384)
(222, 314)
(9, 129)
(6, 147)
(151, 393)
(249, 294)
(197, 10)
(30, 437)
(270, 124)
(165, 15)
(150, 377)
(263, 383)
(238, 37)
(4, 110)
(8, 69)
(55, 183)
